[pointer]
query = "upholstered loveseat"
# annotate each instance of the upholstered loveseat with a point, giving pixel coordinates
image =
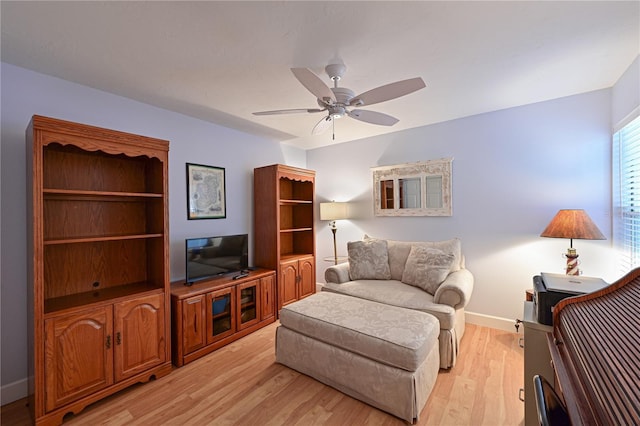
(428, 276)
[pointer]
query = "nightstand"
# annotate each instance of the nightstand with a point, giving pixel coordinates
(537, 360)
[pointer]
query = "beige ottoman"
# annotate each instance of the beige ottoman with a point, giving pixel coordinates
(383, 355)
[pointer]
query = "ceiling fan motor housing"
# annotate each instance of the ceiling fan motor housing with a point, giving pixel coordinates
(343, 96)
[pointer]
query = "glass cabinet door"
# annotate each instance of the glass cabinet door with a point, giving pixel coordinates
(220, 314)
(248, 304)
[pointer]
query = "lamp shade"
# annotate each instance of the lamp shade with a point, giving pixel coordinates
(573, 224)
(334, 211)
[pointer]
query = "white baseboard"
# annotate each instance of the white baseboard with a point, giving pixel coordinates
(490, 321)
(13, 391)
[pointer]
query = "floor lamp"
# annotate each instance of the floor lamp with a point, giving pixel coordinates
(572, 224)
(334, 211)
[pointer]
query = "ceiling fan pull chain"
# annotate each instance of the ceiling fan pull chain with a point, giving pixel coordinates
(333, 126)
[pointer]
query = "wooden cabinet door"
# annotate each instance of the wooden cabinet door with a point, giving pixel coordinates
(221, 314)
(288, 284)
(307, 281)
(78, 355)
(248, 304)
(140, 341)
(268, 297)
(194, 333)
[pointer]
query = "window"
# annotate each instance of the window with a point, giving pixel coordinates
(626, 194)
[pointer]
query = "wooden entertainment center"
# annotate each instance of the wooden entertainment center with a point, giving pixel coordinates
(214, 312)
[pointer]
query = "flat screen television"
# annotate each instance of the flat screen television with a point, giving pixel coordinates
(212, 256)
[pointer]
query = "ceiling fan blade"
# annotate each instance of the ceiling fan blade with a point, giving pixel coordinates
(322, 125)
(388, 92)
(288, 111)
(313, 84)
(373, 117)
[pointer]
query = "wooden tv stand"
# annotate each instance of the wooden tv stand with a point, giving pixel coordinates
(214, 312)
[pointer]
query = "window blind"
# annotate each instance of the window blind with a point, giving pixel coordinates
(626, 195)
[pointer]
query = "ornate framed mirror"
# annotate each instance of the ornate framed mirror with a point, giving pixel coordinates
(413, 189)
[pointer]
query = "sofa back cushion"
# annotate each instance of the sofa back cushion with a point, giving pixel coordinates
(399, 253)
(427, 268)
(368, 260)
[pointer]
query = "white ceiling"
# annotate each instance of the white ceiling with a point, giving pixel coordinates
(221, 61)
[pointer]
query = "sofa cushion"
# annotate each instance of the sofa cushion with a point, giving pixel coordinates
(427, 268)
(399, 253)
(395, 293)
(368, 260)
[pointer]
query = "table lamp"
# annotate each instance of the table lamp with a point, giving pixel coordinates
(572, 224)
(334, 211)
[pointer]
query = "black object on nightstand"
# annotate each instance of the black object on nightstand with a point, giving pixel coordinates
(546, 294)
(544, 301)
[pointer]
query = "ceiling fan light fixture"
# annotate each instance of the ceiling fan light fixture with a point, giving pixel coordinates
(337, 112)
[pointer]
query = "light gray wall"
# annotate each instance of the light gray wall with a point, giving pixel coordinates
(25, 93)
(625, 95)
(512, 171)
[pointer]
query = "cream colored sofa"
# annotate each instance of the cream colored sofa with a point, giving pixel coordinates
(426, 276)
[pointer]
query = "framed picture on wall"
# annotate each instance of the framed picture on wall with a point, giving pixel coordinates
(206, 197)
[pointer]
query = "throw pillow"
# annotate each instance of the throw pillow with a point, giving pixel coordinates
(427, 268)
(399, 252)
(368, 260)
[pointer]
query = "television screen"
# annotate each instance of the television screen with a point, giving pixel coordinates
(211, 256)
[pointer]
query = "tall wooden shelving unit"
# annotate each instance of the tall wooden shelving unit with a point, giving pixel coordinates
(99, 305)
(284, 205)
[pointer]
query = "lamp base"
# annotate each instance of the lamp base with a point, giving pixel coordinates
(335, 247)
(572, 262)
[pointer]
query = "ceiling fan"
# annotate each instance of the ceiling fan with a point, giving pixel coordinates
(337, 100)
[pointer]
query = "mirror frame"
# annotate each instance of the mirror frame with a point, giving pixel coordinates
(421, 170)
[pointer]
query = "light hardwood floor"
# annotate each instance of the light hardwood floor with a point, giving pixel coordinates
(241, 384)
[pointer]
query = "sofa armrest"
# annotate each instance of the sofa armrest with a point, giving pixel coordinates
(337, 274)
(456, 290)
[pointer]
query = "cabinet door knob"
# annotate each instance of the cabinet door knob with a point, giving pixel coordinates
(118, 338)
(109, 341)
